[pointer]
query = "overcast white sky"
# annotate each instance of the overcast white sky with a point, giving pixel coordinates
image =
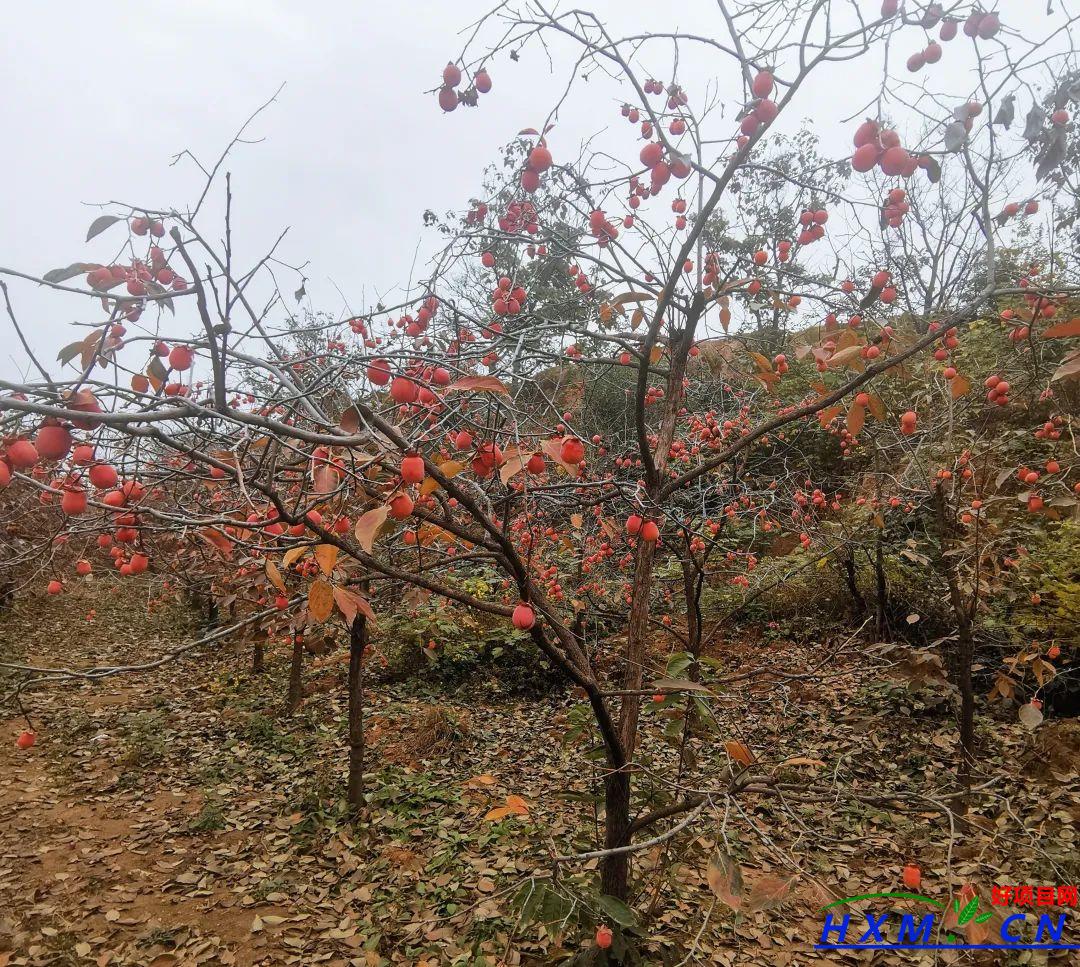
(99, 97)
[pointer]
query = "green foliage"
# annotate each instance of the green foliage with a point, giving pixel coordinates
(145, 739)
(210, 818)
(273, 736)
(470, 650)
(560, 909)
(1050, 569)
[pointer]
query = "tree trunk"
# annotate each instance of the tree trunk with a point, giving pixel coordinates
(963, 655)
(615, 870)
(857, 600)
(292, 703)
(357, 644)
(637, 636)
(257, 655)
(693, 582)
(881, 589)
(212, 615)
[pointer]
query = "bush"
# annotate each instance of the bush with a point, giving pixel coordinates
(471, 650)
(1051, 570)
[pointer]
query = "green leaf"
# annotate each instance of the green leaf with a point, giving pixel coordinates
(69, 352)
(969, 910)
(159, 290)
(530, 896)
(617, 910)
(706, 720)
(99, 224)
(678, 663)
(70, 271)
(555, 909)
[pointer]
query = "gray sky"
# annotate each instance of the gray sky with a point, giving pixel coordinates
(98, 98)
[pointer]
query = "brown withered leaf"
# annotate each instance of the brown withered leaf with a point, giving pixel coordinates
(368, 526)
(274, 575)
(725, 879)
(350, 602)
(478, 384)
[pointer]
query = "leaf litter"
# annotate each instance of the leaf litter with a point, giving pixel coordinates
(178, 818)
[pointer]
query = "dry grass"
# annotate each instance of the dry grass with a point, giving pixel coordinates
(435, 732)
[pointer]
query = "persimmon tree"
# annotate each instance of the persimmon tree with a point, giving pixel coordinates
(603, 390)
(997, 401)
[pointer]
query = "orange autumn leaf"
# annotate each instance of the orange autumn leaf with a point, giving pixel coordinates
(553, 449)
(515, 806)
(851, 356)
(482, 780)
(274, 575)
(621, 300)
(739, 752)
(1063, 329)
(725, 879)
(350, 602)
(959, 386)
(293, 555)
(762, 362)
(856, 417)
(218, 540)
(515, 463)
(368, 525)
(326, 555)
(827, 415)
(449, 469)
(320, 600)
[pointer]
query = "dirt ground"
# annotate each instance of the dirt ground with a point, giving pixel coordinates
(177, 817)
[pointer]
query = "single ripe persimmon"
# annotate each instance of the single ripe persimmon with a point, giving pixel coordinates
(524, 617)
(572, 450)
(412, 469)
